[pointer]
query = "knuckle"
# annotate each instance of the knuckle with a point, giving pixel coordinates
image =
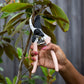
(57, 46)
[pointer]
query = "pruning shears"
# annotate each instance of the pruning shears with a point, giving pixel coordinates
(44, 39)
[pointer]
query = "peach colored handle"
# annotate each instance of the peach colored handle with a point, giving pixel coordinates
(36, 57)
(55, 60)
(48, 40)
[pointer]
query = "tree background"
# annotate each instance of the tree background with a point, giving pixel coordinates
(71, 42)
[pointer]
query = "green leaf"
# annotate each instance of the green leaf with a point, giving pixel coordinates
(13, 7)
(26, 63)
(10, 51)
(9, 28)
(44, 70)
(50, 26)
(53, 79)
(8, 80)
(2, 80)
(31, 81)
(1, 51)
(14, 79)
(19, 27)
(4, 15)
(28, 12)
(25, 76)
(44, 2)
(50, 33)
(26, 55)
(26, 32)
(19, 39)
(7, 39)
(52, 17)
(49, 21)
(1, 69)
(19, 51)
(52, 71)
(36, 77)
(48, 17)
(57, 11)
(2, 32)
(14, 18)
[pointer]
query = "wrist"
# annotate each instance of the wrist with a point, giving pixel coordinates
(70, 74)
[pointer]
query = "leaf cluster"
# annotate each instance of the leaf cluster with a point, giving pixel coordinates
(8, 81)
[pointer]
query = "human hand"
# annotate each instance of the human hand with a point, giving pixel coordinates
(45, 58)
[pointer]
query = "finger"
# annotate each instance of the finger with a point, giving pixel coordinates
(33, 53)
(33, 58)
(27, 57)
(33, 64)
(31, 47)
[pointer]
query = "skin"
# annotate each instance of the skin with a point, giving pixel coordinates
(66, 69)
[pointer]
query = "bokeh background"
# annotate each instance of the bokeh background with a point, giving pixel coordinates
(71, 42)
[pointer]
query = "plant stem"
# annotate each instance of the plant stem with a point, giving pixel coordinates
(22, 59)
(5, 20)
(22, 42)
(1, 33)
(30, 75)
(49, 77)
(24, 73)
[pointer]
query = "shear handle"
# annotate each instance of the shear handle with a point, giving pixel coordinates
(55, 60)
(36, 57)
(54, 57)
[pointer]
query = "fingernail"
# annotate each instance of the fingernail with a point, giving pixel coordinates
(36, 53)
(31, 47)
(44, 47)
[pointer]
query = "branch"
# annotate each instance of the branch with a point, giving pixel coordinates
(22, 59)
(1, 33)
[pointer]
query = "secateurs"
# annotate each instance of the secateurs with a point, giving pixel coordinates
(44, 39)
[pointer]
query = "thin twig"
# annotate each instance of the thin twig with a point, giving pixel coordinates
(24, 73)
(1, 33)
(5, 21)
(22, 43)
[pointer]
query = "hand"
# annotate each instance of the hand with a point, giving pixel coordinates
(45, 58)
